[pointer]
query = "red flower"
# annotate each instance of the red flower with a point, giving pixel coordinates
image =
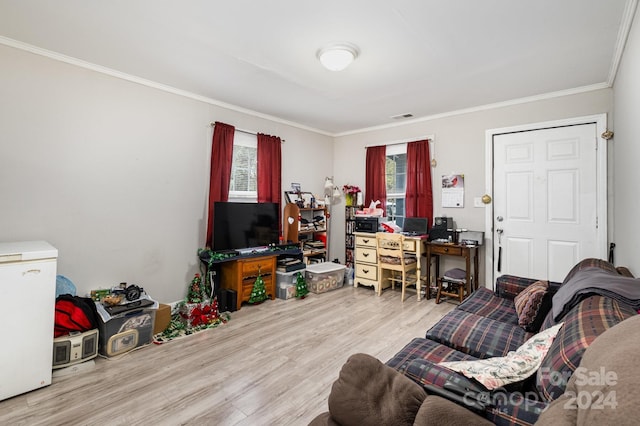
(350, 189)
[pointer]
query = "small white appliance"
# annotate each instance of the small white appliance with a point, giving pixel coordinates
(27, 309)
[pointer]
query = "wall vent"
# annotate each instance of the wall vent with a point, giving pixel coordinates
(402, 116)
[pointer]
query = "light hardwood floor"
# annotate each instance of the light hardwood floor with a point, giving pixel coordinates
(272, 364)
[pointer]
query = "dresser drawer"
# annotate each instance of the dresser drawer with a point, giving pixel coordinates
(251, 267)
(369, 272)
(247, 286)
(366, 255)
(445, 249)
(409, 245)
(366, 241)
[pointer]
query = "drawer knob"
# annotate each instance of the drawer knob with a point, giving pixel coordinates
(446, 249)
(366, 241)
(366, 271)
(365, 254)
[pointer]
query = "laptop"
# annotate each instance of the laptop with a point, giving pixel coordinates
(415, 226)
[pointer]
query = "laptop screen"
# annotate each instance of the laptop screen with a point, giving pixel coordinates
(416, 225)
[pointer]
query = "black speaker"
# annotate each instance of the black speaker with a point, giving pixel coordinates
(443, 223)
(232, 297)
(441, 234)
(221, 294)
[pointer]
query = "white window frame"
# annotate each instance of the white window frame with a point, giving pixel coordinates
(395, 149)
(400, 146)
(250, 141)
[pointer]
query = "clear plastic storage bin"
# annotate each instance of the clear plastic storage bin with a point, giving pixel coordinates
(326, 276)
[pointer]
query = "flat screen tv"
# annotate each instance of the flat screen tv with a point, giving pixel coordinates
(245, 225)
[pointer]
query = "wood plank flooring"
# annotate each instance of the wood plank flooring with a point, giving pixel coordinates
(272, 364)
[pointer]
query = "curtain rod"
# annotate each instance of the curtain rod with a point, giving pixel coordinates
(249, 132)
(431, 138)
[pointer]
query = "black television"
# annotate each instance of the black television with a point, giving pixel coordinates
(245, 225)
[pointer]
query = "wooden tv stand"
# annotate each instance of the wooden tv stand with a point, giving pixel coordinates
(240, 275)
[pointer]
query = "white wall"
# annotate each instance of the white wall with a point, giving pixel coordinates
(460, 148)
(115, 174)
(626, 157)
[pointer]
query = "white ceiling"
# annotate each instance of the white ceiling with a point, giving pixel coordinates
(424, 57)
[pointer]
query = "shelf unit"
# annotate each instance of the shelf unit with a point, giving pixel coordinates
(349, 238)
(313, 234)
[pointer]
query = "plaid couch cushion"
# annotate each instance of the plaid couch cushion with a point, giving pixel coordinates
(509, 286)
(427, 373)
(420, 348)
(485, 303)
(582, 325)
(510, 409)
(476, 335)
(504, 407)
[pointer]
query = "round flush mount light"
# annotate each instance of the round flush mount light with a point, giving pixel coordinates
(337, 56)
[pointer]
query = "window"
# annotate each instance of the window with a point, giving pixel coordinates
(396, 177)
(243, 185)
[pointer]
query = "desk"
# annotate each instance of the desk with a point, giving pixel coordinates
(366, 258)
(447, 249)
(419, 245)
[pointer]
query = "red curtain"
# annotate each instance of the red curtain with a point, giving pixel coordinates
(269, 170)
(375, 179)
(419, 191)
(221, 158)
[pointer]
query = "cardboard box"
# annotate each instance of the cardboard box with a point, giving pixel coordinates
(163, 318)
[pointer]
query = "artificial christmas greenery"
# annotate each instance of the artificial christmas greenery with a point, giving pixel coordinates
(194, 294)
(197, 312)
(258, 292)
(178, 327)
(301, 286)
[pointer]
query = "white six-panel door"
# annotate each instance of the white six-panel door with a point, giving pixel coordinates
(545, 201)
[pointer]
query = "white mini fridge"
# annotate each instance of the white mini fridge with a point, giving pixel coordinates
(27, 311)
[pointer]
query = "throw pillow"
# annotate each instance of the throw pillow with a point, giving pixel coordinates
(514, 367)
(528, 303)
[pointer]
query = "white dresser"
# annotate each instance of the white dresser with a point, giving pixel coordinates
(366, 266)
(27, 310)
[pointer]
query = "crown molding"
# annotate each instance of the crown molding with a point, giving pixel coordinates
(149, 83)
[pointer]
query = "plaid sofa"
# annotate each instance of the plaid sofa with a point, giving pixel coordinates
(486, 325)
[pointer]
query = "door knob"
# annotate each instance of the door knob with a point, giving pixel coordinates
(486, 199)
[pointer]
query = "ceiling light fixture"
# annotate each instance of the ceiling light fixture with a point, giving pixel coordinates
(338, 56)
